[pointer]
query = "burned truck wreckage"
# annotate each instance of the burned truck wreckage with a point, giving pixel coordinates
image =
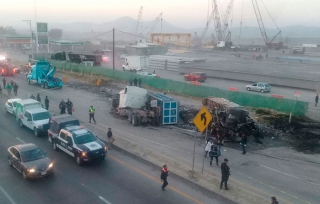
(229, 118)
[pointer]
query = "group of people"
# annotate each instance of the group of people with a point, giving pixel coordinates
(135, 82)
(38, 98)
(9, 87)
(63, 106)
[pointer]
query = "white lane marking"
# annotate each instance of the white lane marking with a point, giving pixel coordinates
(7, 195)
(104, 200)
(290, 175)
(45, 91)
(21, 140)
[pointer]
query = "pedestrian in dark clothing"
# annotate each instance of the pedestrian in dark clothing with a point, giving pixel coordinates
(46, 102)
(9, 88)
(219, 143)
(110, 138)
(317, 99)
(92, 111)
(32, 97)
(164, 176)
(130, 82)
(243, 143)
(11, 83)
(15, 88)
(69, 107)
(225, 173)
(4, 81)
(38, 98)
(0, 91)
(274, 200)
(139, 82)
(135, 81)
(62, 107)
(214, 153)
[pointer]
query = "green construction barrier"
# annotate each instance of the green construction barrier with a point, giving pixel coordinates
(245, 99)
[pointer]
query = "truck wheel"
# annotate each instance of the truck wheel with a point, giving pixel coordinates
(46, 85)
(36, 132)
(135, 120)
(42, 85)
(78, 160)
(20, 123)
(130, 113)
(54, 146)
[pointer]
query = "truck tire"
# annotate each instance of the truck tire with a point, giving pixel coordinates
(130, 114)
(54, 146)
(20, 123)
(135, 120)
(36, 132)
(78, 160)
(42, 85)
(46, 85)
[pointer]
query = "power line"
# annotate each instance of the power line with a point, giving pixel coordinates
(95, 36)
(130, 34)
(270, 15)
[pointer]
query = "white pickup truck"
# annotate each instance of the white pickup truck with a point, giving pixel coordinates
(79, 143)
(30, 114)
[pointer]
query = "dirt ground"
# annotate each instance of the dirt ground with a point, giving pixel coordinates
(302, 134)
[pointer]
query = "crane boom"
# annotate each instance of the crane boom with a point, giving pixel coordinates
(154, 24)
(207, 25)
(136, 31)
(217, 21)
(260, 21)
(226, 19)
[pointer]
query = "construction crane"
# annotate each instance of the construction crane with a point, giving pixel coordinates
(265, 37)
(216, 20)
(226, 19)
(153, 24)
(136, 31)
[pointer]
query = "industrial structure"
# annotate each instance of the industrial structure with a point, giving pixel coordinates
(171, 39)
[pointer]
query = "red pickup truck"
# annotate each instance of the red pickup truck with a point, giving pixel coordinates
(196, 76)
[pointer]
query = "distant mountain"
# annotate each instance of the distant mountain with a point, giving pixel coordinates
(128, 24)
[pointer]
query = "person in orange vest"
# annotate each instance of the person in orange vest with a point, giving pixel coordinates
(164, 176)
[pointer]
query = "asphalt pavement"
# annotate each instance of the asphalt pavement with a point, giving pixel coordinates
(118, 179)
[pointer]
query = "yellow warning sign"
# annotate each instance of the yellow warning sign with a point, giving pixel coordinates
(202, 119)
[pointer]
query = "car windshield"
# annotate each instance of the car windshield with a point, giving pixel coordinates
(83, 136)
(32, 155)
(41, 116)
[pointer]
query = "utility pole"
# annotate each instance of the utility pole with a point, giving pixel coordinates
(113, 48)
(31, 38)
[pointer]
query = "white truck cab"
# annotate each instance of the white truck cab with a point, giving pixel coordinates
(136, 63)
(30, 113)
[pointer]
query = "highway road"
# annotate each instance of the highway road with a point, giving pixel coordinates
(119, 179)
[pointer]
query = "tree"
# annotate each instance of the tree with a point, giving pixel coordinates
(7, 30)
(55, 33)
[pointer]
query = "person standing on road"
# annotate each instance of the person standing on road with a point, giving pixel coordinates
(214, 153)
(62, 107)
(317, 99)
(164, 176)
(4, 81)
(46, 102)
(8, 87)
(140, 82)
(243, 143)
(92, 111)
(38, 98)
(274, 200)
(15, 88)
(225, 173)
(69, 107)
(135, 81)
(208, 147)
(110, 138)
(11, 83)
(219, 143)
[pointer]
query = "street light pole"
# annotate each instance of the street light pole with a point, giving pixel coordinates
(31, 38)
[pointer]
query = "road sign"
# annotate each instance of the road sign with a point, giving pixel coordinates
(42, 33)
(297, 94)
(202, 119)
(42, 27)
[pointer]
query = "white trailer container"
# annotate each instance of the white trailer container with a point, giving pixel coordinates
(136, 63)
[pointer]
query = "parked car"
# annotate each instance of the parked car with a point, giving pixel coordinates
(29, 160)
(147, 74)
(196, 76)
(259, 86)
(11, 105)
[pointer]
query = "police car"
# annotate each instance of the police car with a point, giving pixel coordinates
(80, 143)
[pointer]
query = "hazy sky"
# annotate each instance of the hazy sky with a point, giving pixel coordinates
(181, 13)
